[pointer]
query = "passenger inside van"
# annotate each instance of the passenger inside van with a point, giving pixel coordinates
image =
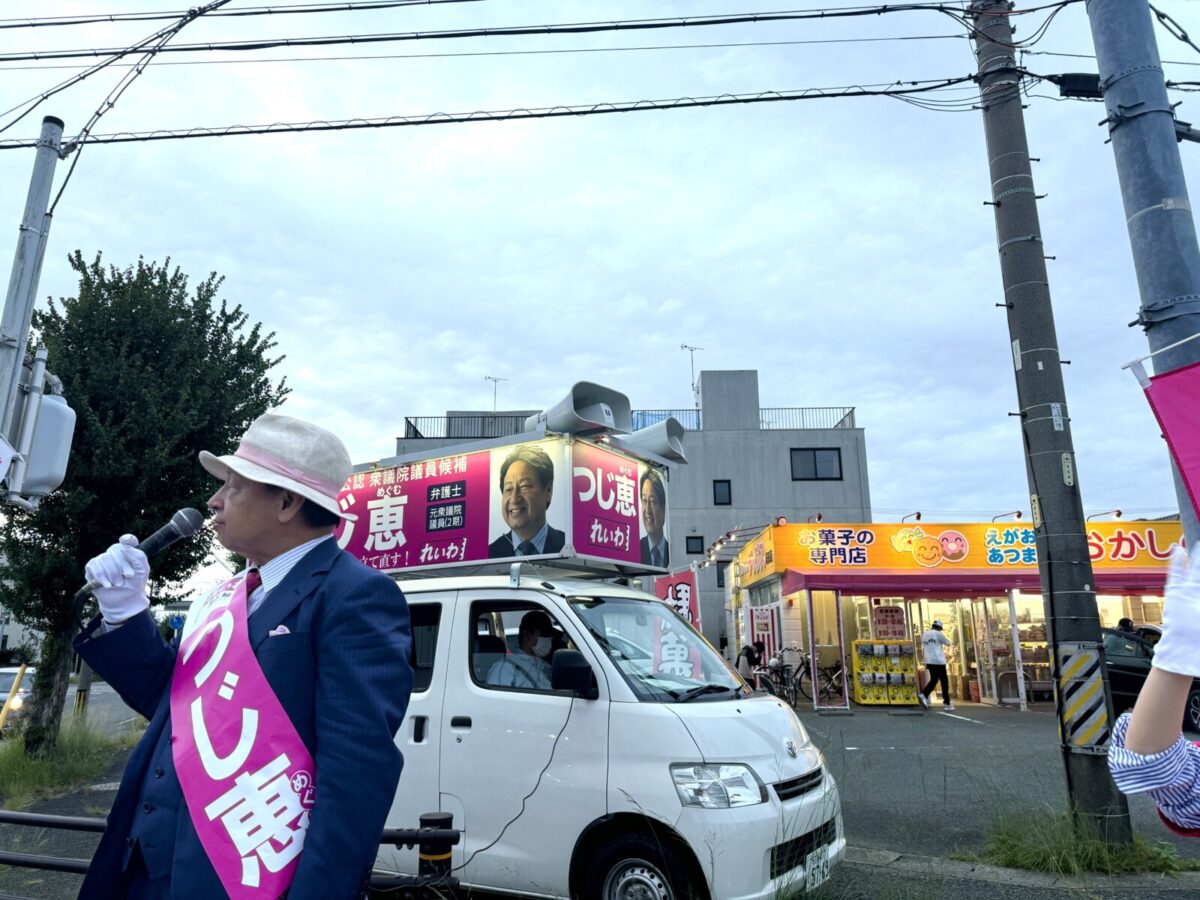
(528, 666)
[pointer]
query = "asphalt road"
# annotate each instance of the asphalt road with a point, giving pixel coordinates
(931, 783)
(923, 786)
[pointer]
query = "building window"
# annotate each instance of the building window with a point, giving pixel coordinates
(721, 569)
(722, 493)
(817, 464)
(695, 544)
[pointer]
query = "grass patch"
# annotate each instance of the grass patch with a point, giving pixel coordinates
(1053, 843)
(81, 756)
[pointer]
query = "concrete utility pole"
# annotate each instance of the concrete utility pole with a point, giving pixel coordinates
(1162, 231)
(27, 267)
(1073, 623)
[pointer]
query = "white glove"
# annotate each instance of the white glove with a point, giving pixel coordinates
(121, 571)
(1179, 649)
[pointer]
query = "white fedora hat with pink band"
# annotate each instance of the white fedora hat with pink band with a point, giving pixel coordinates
(292, 454)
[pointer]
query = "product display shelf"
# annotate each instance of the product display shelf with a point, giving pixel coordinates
(884, 673)
(1035, 659)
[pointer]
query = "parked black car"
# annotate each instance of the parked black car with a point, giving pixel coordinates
(1128, 658)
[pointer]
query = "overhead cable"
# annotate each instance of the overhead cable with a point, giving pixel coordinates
(895, 89)
(560, 51)
(523, 30)
(286, 9)
(156, 39)
(1173, 28)
(122, 86)
(104, 18)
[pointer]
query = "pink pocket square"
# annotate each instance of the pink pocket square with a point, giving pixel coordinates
(282, 629)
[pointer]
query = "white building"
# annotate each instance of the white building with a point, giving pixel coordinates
(747, 466)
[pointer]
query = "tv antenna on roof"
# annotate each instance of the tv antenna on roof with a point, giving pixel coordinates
(692, 356)
(495, 385)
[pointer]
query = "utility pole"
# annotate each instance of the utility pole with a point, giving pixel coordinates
(26, 270)
(1073, 623)
(1162, 233)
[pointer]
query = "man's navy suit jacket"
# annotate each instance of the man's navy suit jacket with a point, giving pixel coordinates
(646, 548)
(342, 675)
(503, 545)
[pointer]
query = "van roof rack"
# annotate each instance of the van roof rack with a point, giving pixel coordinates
(544, 568)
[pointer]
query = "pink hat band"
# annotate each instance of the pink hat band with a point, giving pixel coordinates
(270, 461)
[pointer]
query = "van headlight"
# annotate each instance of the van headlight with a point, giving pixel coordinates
(717, 786)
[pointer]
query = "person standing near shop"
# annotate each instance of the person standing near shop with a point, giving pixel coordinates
(750, 658)
(934, 644)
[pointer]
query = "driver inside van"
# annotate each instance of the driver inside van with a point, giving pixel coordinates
(529, 666)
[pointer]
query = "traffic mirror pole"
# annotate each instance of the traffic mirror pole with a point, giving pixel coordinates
(27, 265)
(1064, 564)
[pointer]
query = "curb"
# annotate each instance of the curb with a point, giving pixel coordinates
(1184, 883)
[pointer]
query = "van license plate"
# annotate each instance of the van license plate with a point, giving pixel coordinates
(816, 869)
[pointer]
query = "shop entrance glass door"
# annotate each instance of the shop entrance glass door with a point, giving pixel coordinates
(985, 670)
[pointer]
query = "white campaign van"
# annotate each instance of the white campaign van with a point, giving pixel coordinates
(619, 781)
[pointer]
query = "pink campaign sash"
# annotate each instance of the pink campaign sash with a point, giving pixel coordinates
(246, 775)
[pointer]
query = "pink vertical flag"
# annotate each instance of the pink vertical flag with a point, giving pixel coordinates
(1175, 398)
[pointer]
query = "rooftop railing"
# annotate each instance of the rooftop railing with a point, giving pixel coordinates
(465, 427)
(688, 418)
(487, 425)
(805, 417)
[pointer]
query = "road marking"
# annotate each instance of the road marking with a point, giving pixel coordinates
(961, 718)
(106, 786)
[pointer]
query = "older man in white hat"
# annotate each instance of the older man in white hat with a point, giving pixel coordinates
(269, 763)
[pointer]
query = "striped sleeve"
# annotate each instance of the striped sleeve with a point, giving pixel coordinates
(1171, 776)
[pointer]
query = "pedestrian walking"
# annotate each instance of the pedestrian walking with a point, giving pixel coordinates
(934, 644)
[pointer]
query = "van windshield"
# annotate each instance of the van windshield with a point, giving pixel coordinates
(660, 656)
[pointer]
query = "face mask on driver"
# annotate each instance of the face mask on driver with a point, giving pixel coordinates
(541, 647)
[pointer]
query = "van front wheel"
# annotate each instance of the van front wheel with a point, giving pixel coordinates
(638, 867)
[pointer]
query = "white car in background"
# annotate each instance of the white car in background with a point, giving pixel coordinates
(8, 676)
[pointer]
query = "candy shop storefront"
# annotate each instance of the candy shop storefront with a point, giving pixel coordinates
(844, 592)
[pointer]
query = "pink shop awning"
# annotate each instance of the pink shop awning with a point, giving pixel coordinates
(959, 583)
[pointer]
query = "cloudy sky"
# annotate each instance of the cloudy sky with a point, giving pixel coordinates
(839, 246)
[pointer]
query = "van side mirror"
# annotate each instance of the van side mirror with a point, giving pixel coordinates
(570, 671)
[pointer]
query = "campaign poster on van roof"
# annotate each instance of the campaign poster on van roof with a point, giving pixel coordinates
(526, 517)
(517, 500)
(431, 512)
(619, 508)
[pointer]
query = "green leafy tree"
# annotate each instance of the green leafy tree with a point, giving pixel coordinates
(155, 373)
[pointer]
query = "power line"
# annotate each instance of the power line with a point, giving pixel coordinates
(1173, 28)
(891, 90)
(1065, 55)
(122, 86)
(170, 31)
(524, 30)
(483, 53)
(303, 8)
(286, 9)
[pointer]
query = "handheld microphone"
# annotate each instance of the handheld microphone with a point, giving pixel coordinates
(184, 524)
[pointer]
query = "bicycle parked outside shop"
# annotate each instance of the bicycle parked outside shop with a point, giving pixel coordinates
(831, 682)
(781, 679)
